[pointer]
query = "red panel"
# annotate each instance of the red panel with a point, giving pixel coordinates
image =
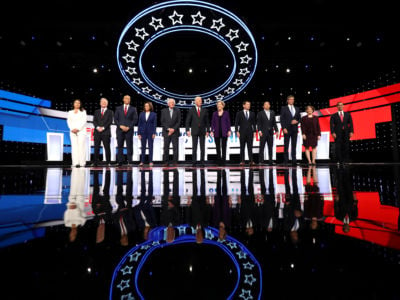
(366, 95)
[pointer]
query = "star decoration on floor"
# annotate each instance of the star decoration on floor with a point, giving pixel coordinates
(126, 270)
(229, 90)
(219, 97)
(238, 82)
(198, 19)
(249, 279)
(127, 297)
(146, 90)
(176, 18)
(244, 71)
(134, 256)
(132, 45)
(131, 70)
(141, 33)
(209, 235)
(137, 81)
(248, 266)
(145, 247)
(124, 284)
(231, 245)
(157, 96)
(246, 295)
(217, 24)
(241, 255)
(156, 23)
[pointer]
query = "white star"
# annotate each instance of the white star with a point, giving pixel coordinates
(123, 284)
(249, 279)
(126, 270)
(182, 102)
(132, 45)
(137, 81)
(143, 33)
(134, 256)
(156, 23)
(238, 82)
(219, 97)
(220, 24)
(128, 58)
(155, 243)
(241, 254)
(207, 101)
(127, 297)
(146, 90)
(231, 245)
(176, 18)
(245, 59)
(131, 70)
(181, 229)
(229, 91)
(242, 46)
(195, 19)
(244, 71)
(245, 295)
(248, 266)
(232, 37)
(209, 235)
(145, 247)
(157, 96)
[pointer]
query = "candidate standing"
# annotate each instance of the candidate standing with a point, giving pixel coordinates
(125, 118)
(197, 126)
(102, 120)
(245, 127)
(76, 121)
(170, 122)
(290, 118)
(221, 130)
(311, 132)
(266, 124)
(147, 131)
(342, 130)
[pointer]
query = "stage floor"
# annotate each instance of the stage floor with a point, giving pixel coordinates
(215, 232)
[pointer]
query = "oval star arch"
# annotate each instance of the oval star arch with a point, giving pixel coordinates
(196, 16)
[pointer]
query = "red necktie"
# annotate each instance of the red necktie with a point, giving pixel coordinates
(102, 113)
(198, 112)
(341, 116)
(125, 110)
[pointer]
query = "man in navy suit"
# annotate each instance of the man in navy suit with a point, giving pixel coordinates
(245, 127)
(290, 118)
(125, 118)
(102, 120)
(266, 124)
(342, 130)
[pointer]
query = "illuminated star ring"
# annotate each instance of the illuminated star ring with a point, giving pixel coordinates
(124, 284)
(193, 16)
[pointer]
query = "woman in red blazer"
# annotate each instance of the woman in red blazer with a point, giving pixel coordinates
(311, 133)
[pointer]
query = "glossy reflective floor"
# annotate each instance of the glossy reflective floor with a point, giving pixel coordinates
(323, 232)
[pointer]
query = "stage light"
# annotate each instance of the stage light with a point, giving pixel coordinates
(308, 92)
(190, 268)
(190, 70)
(348, 39)
(58, 43)
(289, 38)
(292, 266)
(287, 70)
(33, 38)
(312, 38)
(276, 66)
(359, 44)
(93, 38)
(95, 70)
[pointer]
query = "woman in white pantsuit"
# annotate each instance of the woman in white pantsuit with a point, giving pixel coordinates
(76, 122)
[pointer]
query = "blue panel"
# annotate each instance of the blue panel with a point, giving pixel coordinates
(18, 107)
(17, 134)
(24, 99)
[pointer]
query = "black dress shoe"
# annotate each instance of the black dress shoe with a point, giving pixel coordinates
(94, 165)
(119, 164)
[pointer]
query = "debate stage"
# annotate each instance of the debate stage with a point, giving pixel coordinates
(119, 232)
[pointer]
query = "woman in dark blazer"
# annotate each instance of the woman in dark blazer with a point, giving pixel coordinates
(311, 133)
(221, 130)
(147, 131)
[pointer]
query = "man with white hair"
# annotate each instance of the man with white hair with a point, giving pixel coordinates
(170, 122)
(102, 120)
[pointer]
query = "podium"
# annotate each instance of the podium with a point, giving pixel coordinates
(55, 146)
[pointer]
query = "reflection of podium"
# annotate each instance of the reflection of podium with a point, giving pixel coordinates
(55, 146)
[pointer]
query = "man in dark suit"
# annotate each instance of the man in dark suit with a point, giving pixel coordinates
(102, 120)
(342, 130)
(125, 118)
(266, 124)
(170, 122)
(245, 127)
(290, 118)
(198, 126)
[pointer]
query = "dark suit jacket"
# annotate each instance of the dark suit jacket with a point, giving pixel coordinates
(105, 121)
(242, 125)
(225, 124)
(265, 125)
(286, 117)
(129, 120)
(337, 126)
(198, 125)
(147, 128)
(167, 122)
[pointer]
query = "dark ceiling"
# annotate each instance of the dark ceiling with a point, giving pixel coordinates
(314, 49)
